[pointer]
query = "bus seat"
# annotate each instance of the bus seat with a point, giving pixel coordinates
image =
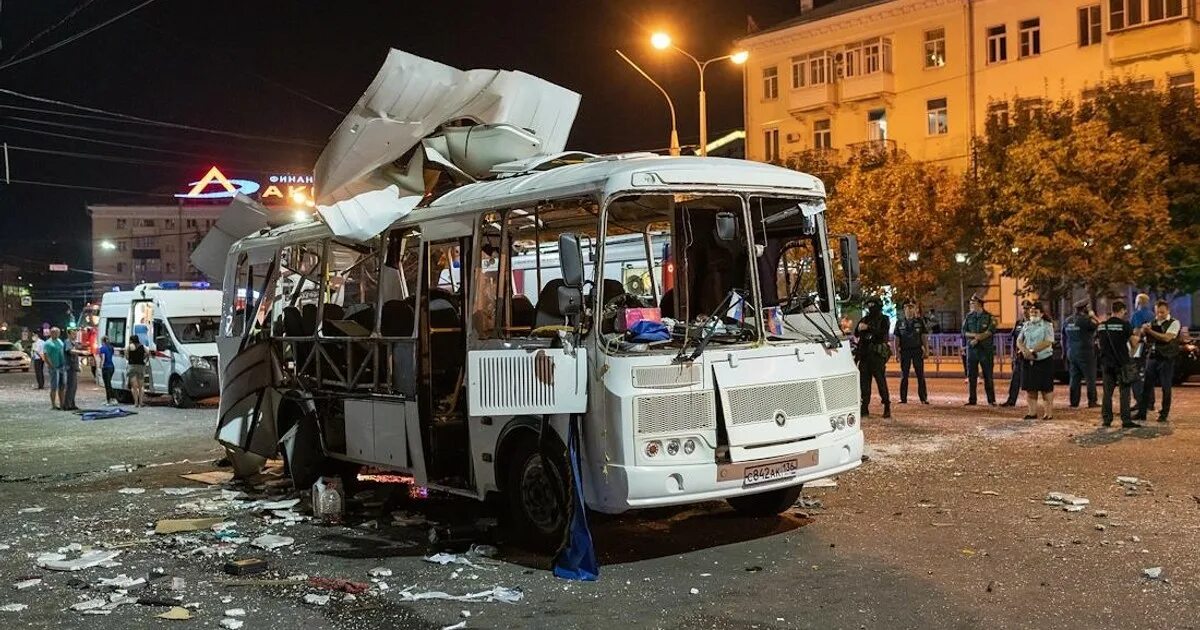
(523, 313)
(334, 311)
(308, 318)
(363, 315)
(548, 313)
(397, 319)
(667, 305)
(609, 289)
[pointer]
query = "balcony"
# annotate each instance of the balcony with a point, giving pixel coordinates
(874, 86)
(872, 152)
(811, 97)
(1178, 35)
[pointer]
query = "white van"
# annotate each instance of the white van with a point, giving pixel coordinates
(177, 322)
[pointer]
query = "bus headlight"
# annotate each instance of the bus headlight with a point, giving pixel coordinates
(839, 422)
(673, 448)
(850, 420)
(653, 448)
(689, 447)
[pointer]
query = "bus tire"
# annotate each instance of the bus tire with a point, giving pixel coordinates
(770, 503)
(179, 395)
(535, 487)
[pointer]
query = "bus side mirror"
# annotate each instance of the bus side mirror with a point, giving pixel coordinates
(570, 263)
(848, 246)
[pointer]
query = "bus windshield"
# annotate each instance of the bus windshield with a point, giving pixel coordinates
(202, 329)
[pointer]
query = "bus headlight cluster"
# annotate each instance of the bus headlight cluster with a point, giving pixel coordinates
(653, 448)
(672, 446)
(689, 446)
(839, 422)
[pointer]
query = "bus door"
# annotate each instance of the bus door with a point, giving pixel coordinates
(443, 362)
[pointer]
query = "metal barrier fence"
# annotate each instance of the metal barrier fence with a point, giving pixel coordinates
(946, 356)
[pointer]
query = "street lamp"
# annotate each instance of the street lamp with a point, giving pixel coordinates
(913, 256)
(961, 258)
(662, 41)
(674, 133)
(108, 245)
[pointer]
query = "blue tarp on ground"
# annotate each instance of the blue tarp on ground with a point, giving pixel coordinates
(103, 414)
(577, 560)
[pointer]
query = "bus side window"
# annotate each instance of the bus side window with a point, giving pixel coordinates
(532, 239)
(353, 282)
(398, 284)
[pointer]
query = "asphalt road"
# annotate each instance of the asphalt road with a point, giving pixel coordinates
(943, 528)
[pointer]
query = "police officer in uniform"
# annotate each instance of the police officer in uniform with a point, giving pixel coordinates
(1162, 335)
(1014, 385)
(1079, 333)
(979, 329)
(1117, 340)
(873, 354)
(910, 337)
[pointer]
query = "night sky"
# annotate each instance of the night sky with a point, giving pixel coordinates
(229, 64)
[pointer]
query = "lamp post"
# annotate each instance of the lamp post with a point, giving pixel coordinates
(662, 41)
(961, 259)
(670, 105)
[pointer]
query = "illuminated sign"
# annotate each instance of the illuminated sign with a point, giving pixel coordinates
(288, 189)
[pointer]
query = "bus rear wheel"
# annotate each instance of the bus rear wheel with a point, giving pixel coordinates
(770, 503)
(535, 490)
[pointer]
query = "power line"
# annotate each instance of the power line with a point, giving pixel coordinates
(149, 121)
(141, 193)
(64, 42)
(102, 158)
(70, 14)
(118, 144)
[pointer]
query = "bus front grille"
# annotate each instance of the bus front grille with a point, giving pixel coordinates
(693, 411)
(840, 391)
(759, 403)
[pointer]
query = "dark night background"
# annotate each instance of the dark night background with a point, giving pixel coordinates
(223, 64)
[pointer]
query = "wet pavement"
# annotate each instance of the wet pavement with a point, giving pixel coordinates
(945, 527)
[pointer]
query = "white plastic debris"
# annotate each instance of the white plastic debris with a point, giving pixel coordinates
(1132, 481)
(88, 605)
(458, 626)
(24, 584)
(1153, 573)
(380, 572)
(231, 623)
(485, 551)
(695, 591)
(178, 584)
(450, 558)
(313, 599)
(465, 614)
(272, 541)
(31, 510)
(1066, 499)
(825, 482)
(286, 504)
(496, 594)
(235, 612)
(13, 607)
(59, 562)
(4, 547)
(122, 581)
(132, 491)
(182, 492)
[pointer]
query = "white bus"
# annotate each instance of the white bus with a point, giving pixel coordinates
(177, 322)
(457, 344)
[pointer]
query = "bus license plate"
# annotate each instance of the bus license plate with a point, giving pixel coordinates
(774, 471)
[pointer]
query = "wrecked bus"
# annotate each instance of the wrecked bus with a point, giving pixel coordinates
(682, 312)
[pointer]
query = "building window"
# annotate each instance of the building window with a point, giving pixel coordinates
(1030, 108)
(935, 117)
(818, 69)
(1164, 9)
(191, 223)
(121, 245)
(1090, 28)
(120, 224)
(867, 57)
(997, 44)
(998, 114)
(799, 68)
(771, 83)
(120, 267)
(1088, 95)
(809, 69)
(823, 134)
(1129, 13)
(145, 242)
(935, 48)
(1182, 85)
(1145, 85)
(148, 223)
(169, 223)
(771, 145)
(1031, 37)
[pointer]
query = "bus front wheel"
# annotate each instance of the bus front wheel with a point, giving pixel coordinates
(769, 503)
(535, 493)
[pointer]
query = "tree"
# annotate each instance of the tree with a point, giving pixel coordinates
(1082, 208)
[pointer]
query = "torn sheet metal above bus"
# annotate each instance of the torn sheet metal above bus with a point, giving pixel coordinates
(374, 169)
(243, 216)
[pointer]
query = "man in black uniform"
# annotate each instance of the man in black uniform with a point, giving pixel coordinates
(1079, 338)
(910, 337)
(873, 354)
(1162, 335)
(1117, 343)
(1014, 384)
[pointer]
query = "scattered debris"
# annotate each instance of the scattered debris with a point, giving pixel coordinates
(245, 566)
(335, 584)
(272, 541)
(182, 491)
(1153, 573)
(695, 591)
(5, 547)
(496, 594)
(122, 581)
(1062, 498)
(213, 478)
(132, 491)
(1099, 527)
(1073, 508)
(235, 612)
(458, 626)
(328, 500)
(1100, 514)
(1135, 539)
(313, 599)
(31, 510)
(178, 613)
(87, 605)
(754, 569)
(285, 504)
(380, 572)
(231, 623)
(990, 493)
(808, 503)
(13, 607)
(407, 519)
(59, 562)
(451, 558)
(1129, 481)
(24, 584)
(825, 482)
(177, 525)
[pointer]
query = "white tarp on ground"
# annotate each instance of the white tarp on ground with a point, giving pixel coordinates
(361, 178)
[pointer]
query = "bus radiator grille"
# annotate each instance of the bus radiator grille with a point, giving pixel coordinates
(693, 411)
(840, 391)
(750, 405)
(667, 376)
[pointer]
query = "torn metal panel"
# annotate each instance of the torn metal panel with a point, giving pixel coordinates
(243, 216)
(245, 419)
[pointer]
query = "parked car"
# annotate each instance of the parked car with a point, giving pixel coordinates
(13, 358)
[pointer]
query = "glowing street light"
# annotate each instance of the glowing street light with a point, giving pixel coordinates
(960, 258)
(108, 245)
(301, 216)
(662, 41)
(913, 256)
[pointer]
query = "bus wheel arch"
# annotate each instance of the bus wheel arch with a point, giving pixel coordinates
(300, 440)
(533, 483)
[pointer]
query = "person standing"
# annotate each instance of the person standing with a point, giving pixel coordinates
(1143, 314)
(54, 354)
(72, 351)
(1162, 335)
(979, 329)
(39, 361)
(911, 336)
(1014, 383)
(1036, 343)
(1079, 336)
(1117, 344)
(135, 358)
(106, 370)
(873, 354)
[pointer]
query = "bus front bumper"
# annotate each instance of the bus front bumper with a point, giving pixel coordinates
(658, 486)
